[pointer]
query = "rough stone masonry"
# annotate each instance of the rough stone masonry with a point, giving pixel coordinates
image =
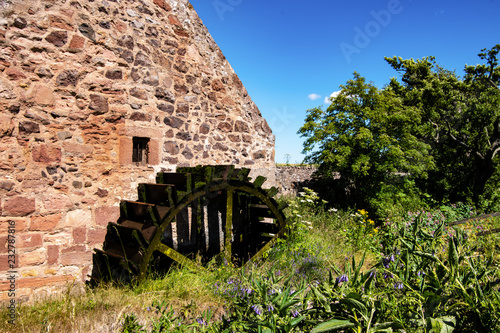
(96, 97)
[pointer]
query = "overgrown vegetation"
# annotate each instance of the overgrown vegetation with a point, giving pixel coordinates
(337, 271)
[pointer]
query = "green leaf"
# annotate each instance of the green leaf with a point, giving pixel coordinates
(444, 324)
(332, 326)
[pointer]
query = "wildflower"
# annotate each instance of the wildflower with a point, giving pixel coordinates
(388, 276)
(295, 313)
(363, 212)
(148, 308)
(373, 273)
(201, 321)
(375, 230)
(257, 309)
(398, 285)
(270, 308)
(342, 278)
(420, 273)
(371, 221)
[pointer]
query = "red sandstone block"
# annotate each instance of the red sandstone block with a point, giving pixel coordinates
(77, 43)
(20, 224)
(19, 206)
(38, 282)
(4, 243)
(76, 258)
(45, 154)
(163, 4)
(106, 214)
(44, 223)
(29, 240)
(79, 235)
(52, 254)
(96, 236)
(15, 74)
(74, 248)
(5, 264)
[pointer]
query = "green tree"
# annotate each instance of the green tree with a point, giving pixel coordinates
(367, 136)
(460, 120)
(440, 131)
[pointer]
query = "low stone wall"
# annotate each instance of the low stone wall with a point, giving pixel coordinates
(291, 178)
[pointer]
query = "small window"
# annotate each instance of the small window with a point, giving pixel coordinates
(140, 151)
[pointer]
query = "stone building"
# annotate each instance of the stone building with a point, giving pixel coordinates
(96, 97)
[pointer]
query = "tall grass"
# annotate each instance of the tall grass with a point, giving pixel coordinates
(335, 270)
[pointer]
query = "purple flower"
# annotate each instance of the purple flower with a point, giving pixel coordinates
(295, 313)
(398, 285)
(270, 308)
(420, 273)
(373, 273)
(257, 309)
(201, 321)
(388, 276)
(342, 278)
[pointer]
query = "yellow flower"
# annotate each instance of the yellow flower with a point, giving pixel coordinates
(363, 212)
(375, 230)
(371, 221)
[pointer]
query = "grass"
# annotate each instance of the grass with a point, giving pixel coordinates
(320, 242)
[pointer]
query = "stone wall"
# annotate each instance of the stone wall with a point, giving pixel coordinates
(291, 179)
(83, 84)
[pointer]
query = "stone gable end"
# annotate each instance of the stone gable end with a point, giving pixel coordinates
(96, 97)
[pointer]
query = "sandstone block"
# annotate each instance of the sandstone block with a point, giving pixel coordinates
(163, 4)
(225, 127)
(114, 74)
(15, 74)
(45, 223)
(171, 148)
(6, 125)
(106, 214)
(99, 104)
(42, 95)
(19, 223)
(139, 93)
(76, 44)
(33, 258)
(78, 218)
(76, 258)
(5, 264)
(79, 235)
(28, 127)
(46, 154)
(29, 240)
(52, 254)
(6, 90)
(56, 202)
(58, 38)
(19, 206)
(75, 148)
(59, 22)
(67, 77)
(96, 236)
(241, 126)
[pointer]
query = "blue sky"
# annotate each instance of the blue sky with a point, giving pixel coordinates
(291, 55)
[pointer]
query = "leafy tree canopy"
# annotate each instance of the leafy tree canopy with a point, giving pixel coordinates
(433, 127)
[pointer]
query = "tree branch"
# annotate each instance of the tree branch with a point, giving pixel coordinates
(461, 143)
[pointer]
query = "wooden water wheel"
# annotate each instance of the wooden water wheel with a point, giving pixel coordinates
(190, 217)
